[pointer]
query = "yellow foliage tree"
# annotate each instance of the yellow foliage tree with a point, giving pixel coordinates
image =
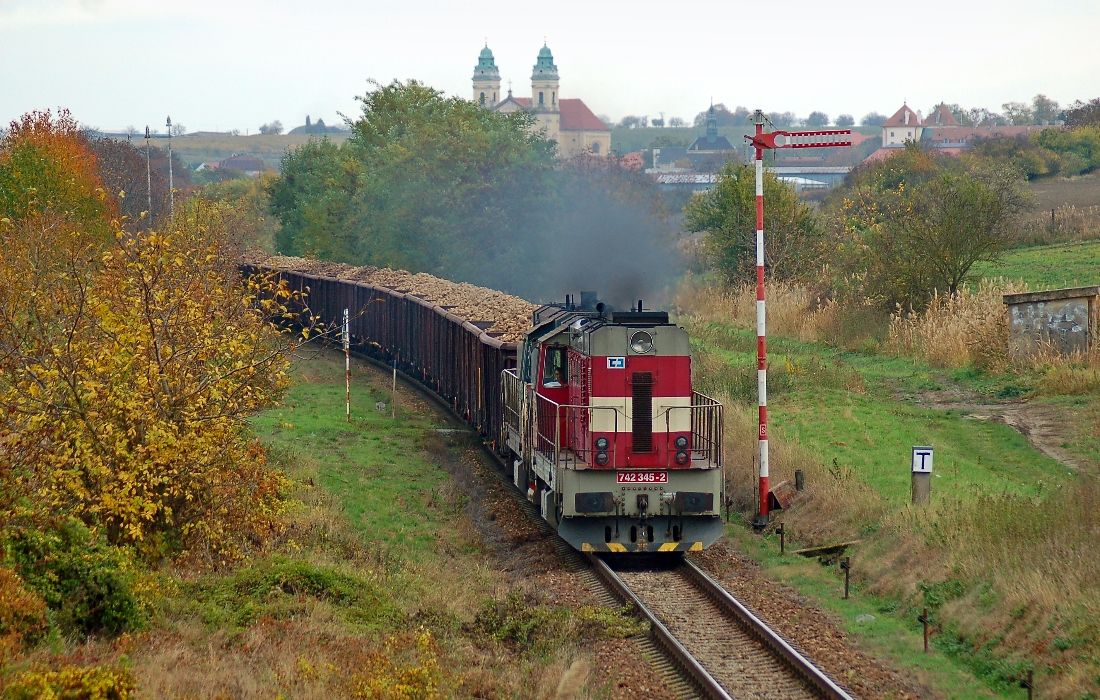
(128, 372)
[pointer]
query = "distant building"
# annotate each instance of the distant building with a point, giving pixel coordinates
(711, 142)
(249, 165)
(940, 131)
(569, 122)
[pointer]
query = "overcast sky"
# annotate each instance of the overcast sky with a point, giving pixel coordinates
(229, 64)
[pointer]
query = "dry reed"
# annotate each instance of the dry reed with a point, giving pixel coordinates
(1069, 224)
(968, 328)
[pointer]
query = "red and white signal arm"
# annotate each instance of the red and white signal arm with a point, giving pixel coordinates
(922, 460)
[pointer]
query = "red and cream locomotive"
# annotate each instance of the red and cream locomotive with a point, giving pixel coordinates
(607, 436)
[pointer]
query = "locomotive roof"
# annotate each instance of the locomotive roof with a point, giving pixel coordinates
(551, 319)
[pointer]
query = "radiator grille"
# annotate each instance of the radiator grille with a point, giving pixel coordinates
(642, 411)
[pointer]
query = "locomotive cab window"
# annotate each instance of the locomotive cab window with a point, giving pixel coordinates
(554, 369)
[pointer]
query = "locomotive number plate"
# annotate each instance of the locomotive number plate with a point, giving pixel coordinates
(641, 477)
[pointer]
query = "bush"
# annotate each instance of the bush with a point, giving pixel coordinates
(22, 614)
(83, 682)
(283, 588)
(87, 583)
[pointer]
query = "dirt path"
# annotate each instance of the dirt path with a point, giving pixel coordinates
(1043, 425)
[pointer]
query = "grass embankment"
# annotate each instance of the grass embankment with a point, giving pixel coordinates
(1004, 556)
(380, 587)
(1049, 266)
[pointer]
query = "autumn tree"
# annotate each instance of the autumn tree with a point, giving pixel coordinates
(129, 363)
(47, 169)
(727, 215)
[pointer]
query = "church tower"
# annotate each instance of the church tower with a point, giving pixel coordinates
(712, 124)
(544, 93)
(486, 79)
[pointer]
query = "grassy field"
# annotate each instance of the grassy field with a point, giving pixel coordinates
(847, 409)
(1048, 267)
(1053, 192)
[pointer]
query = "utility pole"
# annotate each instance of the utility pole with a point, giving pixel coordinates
(148, 179)
(761, 141)
(171, 187)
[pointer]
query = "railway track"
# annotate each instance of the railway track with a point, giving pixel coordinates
(741, 659)
(716, 641)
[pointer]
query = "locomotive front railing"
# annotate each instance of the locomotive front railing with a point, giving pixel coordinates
(549, 422)
(557, 425)
(706, 429)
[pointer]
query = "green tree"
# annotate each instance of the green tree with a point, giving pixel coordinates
(917, 222)
(312, 200)
(817, 120)
(727, 215)
(873, 119)
(440, 176)
(845, 120)
(1018, 113)
(1044, 109)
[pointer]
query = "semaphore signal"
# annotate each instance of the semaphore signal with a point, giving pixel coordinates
(761, 141)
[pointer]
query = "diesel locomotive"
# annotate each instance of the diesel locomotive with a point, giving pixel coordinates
(605, 433)
(593, 408)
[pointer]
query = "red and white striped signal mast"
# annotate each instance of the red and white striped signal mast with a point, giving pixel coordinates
(827, 138)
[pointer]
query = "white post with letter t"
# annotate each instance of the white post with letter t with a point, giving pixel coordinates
(922, 474)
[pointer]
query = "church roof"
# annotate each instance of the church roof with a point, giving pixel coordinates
(575, 115)
(544, 65)
(941, 116)
(486, 68)
(711, 143)
(899, 118)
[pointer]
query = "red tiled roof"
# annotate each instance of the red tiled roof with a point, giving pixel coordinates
(576, 116)
(899, 118)
(881, 154)
(941, 116)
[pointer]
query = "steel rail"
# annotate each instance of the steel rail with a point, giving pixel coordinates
(691, 668)
(766, 635)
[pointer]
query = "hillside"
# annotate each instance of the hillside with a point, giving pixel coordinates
(199, 148)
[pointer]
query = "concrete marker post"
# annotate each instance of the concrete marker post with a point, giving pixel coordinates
(922, 475)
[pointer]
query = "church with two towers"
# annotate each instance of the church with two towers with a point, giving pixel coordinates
(569, 122)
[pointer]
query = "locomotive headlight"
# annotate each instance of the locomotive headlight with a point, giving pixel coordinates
(602, 459)
(641, 343)
(681, 442)
(682, 458)
(602, 443)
